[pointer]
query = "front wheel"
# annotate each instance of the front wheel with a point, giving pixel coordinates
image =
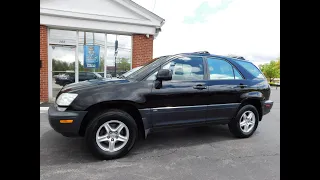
(245, 123)
(111, 135)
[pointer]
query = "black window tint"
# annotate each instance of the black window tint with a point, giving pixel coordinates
(186, 68)
(237, 75)
(219, 69)
(252, 69)
(82, 75)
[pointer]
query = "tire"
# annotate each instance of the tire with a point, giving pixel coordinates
(234, 124)
(110, 117)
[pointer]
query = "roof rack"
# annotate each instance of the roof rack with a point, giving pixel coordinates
(238, 57)
(202, 52)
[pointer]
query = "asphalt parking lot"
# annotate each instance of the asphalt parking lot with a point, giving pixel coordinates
(187, 153)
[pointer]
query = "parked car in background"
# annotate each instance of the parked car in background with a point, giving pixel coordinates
(188, 89)
(59, 76)
(123, 76)
(83, 76)
(107, 75)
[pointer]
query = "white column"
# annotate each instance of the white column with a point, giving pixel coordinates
(76, 75)
(105, 56)
(49, 68)
(131, 50)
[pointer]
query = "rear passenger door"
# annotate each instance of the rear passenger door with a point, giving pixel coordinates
(226, 84)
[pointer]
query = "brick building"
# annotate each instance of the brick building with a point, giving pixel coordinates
(67, 26)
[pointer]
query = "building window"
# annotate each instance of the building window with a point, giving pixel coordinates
(123, 57)
(62, 47)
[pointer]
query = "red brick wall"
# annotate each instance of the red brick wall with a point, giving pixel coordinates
(142, 49)
(44, 68)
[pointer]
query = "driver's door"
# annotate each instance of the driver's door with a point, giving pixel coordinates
(181, 100)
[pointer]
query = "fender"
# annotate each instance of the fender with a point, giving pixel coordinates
(252, 95)
(132, 92)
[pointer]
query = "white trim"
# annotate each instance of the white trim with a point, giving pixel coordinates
(49, 67)
(137, 8)
(96, 17)
(76, 75)
(69, 23)
(143, 21)
(105, 56)
(44, 108)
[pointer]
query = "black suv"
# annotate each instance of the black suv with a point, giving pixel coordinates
(188, 89)
(83, 76)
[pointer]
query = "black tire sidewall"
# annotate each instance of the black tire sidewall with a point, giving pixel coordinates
(103, 118)
(235, 123)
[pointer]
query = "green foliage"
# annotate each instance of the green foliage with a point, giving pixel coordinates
(271, 70)
(123, 64)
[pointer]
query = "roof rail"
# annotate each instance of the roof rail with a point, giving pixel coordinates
(202, 52)
(238, 57)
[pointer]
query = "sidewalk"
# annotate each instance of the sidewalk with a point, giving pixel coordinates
(275, 88)
(44, 106)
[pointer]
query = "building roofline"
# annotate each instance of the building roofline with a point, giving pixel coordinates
(146, 10)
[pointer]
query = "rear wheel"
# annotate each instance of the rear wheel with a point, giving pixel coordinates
(111, 135)
(245, 123)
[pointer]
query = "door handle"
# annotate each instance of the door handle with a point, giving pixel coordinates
(200, 86)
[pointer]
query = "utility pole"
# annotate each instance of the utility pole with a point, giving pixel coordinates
(115, 55)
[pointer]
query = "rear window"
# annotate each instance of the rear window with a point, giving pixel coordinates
(252, 69)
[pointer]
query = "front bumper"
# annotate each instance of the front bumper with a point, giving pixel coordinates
(71, 129)
(267, 105)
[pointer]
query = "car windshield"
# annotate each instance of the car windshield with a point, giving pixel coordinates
(130, 72)
(148, 66)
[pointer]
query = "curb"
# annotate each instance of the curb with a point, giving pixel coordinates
(44, 108)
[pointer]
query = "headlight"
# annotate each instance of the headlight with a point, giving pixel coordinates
(65, 99)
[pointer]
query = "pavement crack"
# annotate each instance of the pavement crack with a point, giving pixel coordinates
(236, 157)
(161, 155)
(148, 177)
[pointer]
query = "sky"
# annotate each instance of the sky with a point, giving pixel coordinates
(248, 28)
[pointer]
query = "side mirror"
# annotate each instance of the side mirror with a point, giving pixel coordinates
(164, 75)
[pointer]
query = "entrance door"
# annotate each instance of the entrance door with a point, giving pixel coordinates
(63, 67)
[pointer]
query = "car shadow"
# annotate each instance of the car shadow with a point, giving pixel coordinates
(56, 149)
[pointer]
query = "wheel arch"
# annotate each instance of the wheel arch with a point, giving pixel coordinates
(256, 102)
(98, 108)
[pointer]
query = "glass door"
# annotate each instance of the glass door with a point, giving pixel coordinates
(63, 66)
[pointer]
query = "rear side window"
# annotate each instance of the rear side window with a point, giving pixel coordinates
(252, 69)
(220, 69)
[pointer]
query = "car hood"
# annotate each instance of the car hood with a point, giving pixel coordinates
(92, 83)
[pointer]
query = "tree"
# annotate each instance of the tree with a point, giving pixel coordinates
(278, 63)
(123, 64)
(271, 70)
(58, 65)
(101, 65)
